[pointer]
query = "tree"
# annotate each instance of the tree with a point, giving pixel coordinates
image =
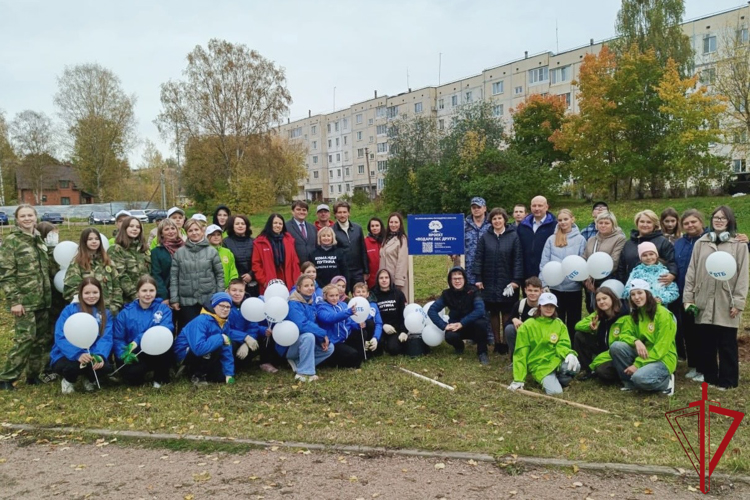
(100, 120)
(34, 137)
(534, 122)
(8, 161)
(730, 77)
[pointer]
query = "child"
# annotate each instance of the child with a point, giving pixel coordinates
(340, 282)
(70, 361)
(308, 269)
(204, 346)
(649, 270)
(213, 234)
(372, 328)
(649, 363)
(543, 348)
(130, 257)
(245, 335)
(130, 325)
(335, 318)
(522, 310)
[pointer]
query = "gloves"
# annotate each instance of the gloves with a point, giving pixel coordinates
(515, 386)
(226, 339)
(372, 344)
(692, 309)
(230, 379)
(403, 337)
(251, 343)
(572, 361)
(388, 329)
(128, 357)
(97, 359)
(243, 351)
(509, 291)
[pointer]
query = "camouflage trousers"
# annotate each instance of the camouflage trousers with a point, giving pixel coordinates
(31, 343)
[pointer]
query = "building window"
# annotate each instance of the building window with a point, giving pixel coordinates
(441, 103)
(329, 143)
(348, 188)
(360, 169)
(64, 200)
(417, 107)
(709, 44)
(372, 156)
(294, 133)
(346, 123)
(380, 112)
(498, 110)
(538, 75)
(315, 145)
(338, 156)
(339, 188)
(315, 174)
(346, 139)
(381, 184)
(392, 112)
(315, 159)
(561, 74)
(454, 121)
(336, 126)
(382, 166)
(359, 135)
(371, 140)
(382, 129)
(742, 35)
(468, 96)
(370, 121)
(454, 100)
(708, 76)
(346, 171)
(498, 88)
(346, 155)
(337, 142)
(360, 153)
(338, 172)
(331, 189)
(359, 118)
(441, 124)
(518, 90)
(330, 158)
(330, 174)
(382, 147)
(567, 99)
(329, 128)
(314, 129)
(739, 167)
(64, 184)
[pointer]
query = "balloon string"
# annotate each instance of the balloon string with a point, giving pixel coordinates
(364, 349)
(92, 368)
(123, 365)
(270, 327)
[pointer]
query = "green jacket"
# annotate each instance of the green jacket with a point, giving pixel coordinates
(541, 345)
(161, 265)
(107, 276)
(227, 262)
(24, 271)
(623, 330)
(658, 336)
(130, 264)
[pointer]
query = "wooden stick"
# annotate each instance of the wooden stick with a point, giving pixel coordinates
(431, 380)
(558, 400)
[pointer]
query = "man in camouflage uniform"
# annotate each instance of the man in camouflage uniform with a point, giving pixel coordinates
(24, 278)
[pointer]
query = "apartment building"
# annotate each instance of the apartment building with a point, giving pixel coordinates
(348, 149)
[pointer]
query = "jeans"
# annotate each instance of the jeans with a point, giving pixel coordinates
(554, 382)
(652, 377)
(307, 354)
(510, 338)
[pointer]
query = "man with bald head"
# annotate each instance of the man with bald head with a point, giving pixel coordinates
(533, 232)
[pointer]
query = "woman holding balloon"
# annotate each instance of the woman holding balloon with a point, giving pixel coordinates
(136, 321)
(716, 287)
(609, 239)
(83, 338)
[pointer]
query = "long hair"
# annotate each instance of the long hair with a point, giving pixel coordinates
(390, 280)
(98, 307)
(400, 234)
(561, 239)
(380, 237)
(616, 304)
(305, 266)
(538, 313)
(146, 278)
(649, 307)
(229, 228)
(125, 241)
(45, 228)
(84, 256)
(670, 212)
(268, 228)
(731, 220)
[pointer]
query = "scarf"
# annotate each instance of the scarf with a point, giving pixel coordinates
(220, 321)
(173, 245)
(279, 252)
(296, 296)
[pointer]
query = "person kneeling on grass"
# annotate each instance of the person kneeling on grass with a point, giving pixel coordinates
(312, 347)
(244, 334)
(70, 361)
(204, 346)
(648, 364)
(130, 325)
(371, 329)
(522, 310)
(335, 317)
(543, 348)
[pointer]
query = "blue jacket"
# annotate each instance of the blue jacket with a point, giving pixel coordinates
(239, 327)
(134, 320)
(472, 233)
(651, 274)
(302, 315)
(532, 243)
(64, 349)
(336, 321)
(317, 294)
(576, 246)
(202, 336)
(683, 250)
(377, 320)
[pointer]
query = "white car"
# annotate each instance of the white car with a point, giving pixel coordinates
(140, 215)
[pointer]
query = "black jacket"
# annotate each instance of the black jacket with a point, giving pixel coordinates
(498, 261)
(303, 246)
(329, 263)
(391, 304)
(242, 249)
(353, 244)
(629, 256)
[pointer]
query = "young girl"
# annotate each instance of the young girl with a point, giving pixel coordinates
(213, 234)
(335, 318)
(130, 256)
(650, 270)
(308, 269)
(608, 323)
(369, 330)
(340, 282)
(312, 346)
(543, 348)
(649, 363)
(670, 225)
(274, 254)
(394, 254)
(391, 304)
(329, 260)
(134, 319)
(373, 242)
(92, 260)
(70, 361)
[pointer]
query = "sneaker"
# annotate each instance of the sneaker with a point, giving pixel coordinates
(692, 373)
(483, 359)
(156, 385)
(269, 368)
(89, 386)
(669, 391)
(717, 387)
(627, 388)
(698, 378)
(6, 385)
(46, 378)
(312, 378)
(198, 381)
(300, 378)
(292, 363)
(67, 387)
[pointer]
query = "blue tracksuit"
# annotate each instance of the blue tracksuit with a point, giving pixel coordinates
(651, 274)
(336, 321)
(202, 336)
(134, 320)
(239, 327)
(377, 320)
(304, 316)
(64, 349)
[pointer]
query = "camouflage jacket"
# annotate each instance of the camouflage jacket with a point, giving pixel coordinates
(107, 276)
(24, 271)
(130, 264)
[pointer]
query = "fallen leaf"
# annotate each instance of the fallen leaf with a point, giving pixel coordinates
(654, 478)
(472, 462)
(201, 477)
(636, 424)
(648, 491)
(578, 484)
(575, 469)
(353, 479)
(440, 466)
(186, 497)
(690, 488)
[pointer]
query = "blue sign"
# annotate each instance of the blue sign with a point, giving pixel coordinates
(438, 234)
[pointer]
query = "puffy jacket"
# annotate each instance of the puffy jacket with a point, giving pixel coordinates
(658, 336)
(202, 336)
(227, 264)
(629, 257)
(264, 267)
(465, 305)
(131, 264)
(576, 245)
(64, 349)
(239, 327)
(372, 247)
(25, 271)
(497, 263)
(472, 233)
(335, 320)
(394, 256)
(106, 275)
(134, 320)
(667, 294)
(541, 345)
(683, 250)
(533, 243)
(353, 244)
(329, 263)
(196, 274)
(161, 266)
(242, 249)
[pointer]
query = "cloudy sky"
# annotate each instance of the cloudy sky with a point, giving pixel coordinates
(354, 46)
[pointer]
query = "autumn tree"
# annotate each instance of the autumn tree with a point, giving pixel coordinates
(33, 134)
(8, 162)
(534, 122)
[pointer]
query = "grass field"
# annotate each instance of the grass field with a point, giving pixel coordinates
(381, 406)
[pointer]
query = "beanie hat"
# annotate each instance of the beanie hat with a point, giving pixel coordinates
(220, 297)
(646, 246)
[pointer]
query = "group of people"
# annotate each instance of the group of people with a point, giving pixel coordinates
(192, 278)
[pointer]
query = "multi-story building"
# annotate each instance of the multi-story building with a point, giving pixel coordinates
(348, 149)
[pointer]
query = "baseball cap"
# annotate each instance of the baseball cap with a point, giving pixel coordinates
(639, 284)
(199, 217)
(122, 213)
(212, 229)
(175, 210)
(547, 298)
(479, 201)
(323, 206)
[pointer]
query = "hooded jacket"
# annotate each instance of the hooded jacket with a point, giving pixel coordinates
(551, 253)
(202, 336)
(196, 274)
(335, 320)
(264, 266)
(215, 220)
(465, 305)
(64, 349)
(629, 257)
(667, 294)
(391, 304)
(658, 336)
(497, 263)
(302, 313)
(541, 345)
(532, 243)
(133, 321)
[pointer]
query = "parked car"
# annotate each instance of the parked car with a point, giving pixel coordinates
(101, 218)
(139, 214)
(157, 215)
(3, 219)
(53, 217)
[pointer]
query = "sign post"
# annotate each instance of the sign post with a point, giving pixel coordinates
(433, 234)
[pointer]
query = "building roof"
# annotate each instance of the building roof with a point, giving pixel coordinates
(53, 174)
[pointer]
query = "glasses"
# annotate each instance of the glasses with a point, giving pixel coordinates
(720, 219)
(222, 306)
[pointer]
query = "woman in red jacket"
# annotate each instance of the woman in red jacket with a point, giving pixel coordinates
(373, 242)
(274, 256)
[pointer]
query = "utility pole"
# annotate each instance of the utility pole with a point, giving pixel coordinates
(163, 190)
(369, 178)
(2, 186)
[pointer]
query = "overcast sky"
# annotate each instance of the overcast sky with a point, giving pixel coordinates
(354, 46)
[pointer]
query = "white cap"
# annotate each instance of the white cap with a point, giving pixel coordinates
(212, 229)
(547, 298)
(121, 213)
(323, 206)
(174, 210)
(199, 217)
(639, 284)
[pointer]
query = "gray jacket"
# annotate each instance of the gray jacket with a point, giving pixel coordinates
(196, 274)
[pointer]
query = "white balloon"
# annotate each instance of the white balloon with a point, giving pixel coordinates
(552, 273)
(432, 335)
(415, 322)
(64, 253)
(600, 265)
(81, 329)
(721, 266)
(410, 308)
(156, 340)
(362, 309)
(59, 280)
(616, 286)
(426, 310)
(105, 242)
(285, 333)
(276, 290)
(252, 309)
(276, 309)
(574, 267)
